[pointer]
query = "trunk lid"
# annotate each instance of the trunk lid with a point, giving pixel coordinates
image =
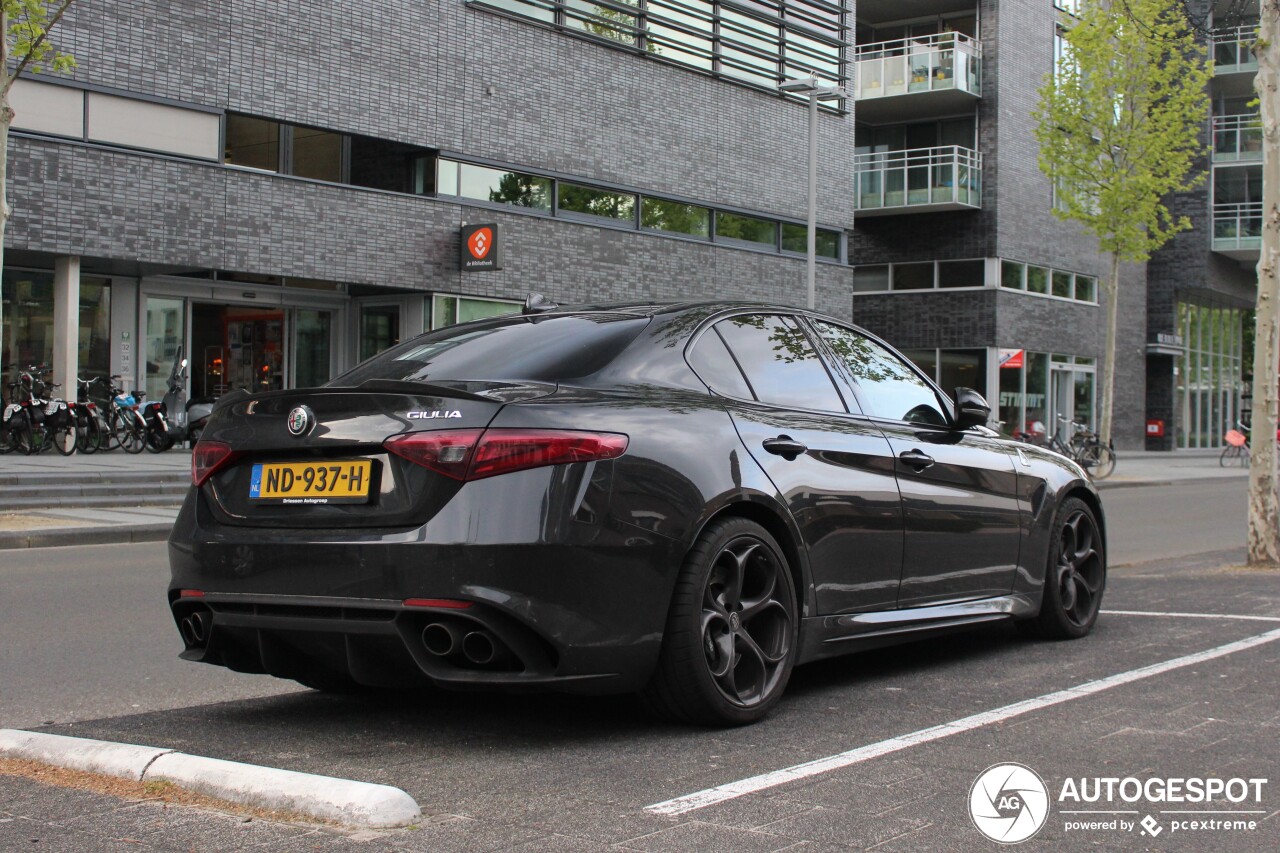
(314, 458)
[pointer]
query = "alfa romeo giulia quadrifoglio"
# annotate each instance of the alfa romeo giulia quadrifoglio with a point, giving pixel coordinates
(679, 501)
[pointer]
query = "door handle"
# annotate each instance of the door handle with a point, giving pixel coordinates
(917, 459)
(785, 446)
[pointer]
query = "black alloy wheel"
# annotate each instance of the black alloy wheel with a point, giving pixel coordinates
(1076, 575)
(731, 635)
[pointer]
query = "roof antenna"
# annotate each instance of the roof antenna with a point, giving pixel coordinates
(536, 303)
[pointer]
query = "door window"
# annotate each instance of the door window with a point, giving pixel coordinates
(379, 329)
(780, 363)
(312, 340)
(166, 327)
(887, 386)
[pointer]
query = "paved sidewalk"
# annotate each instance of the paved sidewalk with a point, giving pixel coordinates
(46, 527)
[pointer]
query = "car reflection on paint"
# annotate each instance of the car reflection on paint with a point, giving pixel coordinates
(679, 501)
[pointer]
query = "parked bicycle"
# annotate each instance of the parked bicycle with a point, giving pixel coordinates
(125, 427)
(1080, 444)
(1237, 451)
(46, 420)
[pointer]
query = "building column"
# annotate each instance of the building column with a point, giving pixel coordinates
(66, 324)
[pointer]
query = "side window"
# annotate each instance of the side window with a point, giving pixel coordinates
(889, 388)
(714, 365)
(780, 362)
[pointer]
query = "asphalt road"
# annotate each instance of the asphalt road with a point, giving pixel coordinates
(1152, 693)
(1153, 522)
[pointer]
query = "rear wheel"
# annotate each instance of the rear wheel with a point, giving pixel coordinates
(64, 439)
(130, 432)
(1098, 459)
(732, 631)
(1076, 575)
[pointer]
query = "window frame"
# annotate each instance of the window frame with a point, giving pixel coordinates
(707, 326)
(946, 404)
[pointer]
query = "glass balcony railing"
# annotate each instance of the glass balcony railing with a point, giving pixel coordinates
(946, 61)
(944, 178)
(1233, 49)
(1237, 138)
(1237, 228)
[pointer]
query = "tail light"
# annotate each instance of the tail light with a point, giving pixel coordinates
(474, 454)
(207, 457)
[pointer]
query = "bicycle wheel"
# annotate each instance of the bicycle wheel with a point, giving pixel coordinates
(63, 438)
(130, 433)
(89, 435)
(1098, 459)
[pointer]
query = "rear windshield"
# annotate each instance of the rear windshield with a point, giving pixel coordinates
(535, 349)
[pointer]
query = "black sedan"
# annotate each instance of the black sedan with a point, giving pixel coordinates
(682, 501)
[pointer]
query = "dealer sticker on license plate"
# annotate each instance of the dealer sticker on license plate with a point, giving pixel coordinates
(340, 482)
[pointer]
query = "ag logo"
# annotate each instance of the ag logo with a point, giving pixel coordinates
(480, 242)
(1009, 803)
(300, 421)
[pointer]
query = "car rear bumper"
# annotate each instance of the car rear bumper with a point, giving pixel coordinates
(585, 614)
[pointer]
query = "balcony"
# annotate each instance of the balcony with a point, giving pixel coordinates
(1237, 230)
(919, 180)
(1234, 64)
(917, 77)
(1237, 139)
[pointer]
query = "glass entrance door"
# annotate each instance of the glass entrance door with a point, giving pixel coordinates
(379, 328)
(166, 324)
(236, 346)
(312, 347)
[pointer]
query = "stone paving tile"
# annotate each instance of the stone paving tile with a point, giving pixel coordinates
(698, 837)
(833, 825)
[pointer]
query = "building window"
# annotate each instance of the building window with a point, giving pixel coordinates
(872, 279)
(953, 368)
(594, 202)
(447, 309)
(317, 154)
(761, 43)
(675, 217)
(795, 239)
(1208, 376)
(252, 142)
(1033, 279)
(501, 186)
(750, 230)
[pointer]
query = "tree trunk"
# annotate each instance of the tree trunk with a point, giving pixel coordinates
(1112, 288)
(6, 119)
(1264, 515)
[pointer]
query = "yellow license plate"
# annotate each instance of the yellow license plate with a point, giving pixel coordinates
(340, 482)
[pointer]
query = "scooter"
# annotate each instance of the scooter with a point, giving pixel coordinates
(189, 416)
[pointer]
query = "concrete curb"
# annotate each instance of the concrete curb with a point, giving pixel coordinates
(63, 537)
(325, 797)
(1134, 484)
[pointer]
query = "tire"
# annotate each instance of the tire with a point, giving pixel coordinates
(130, 432)
(89, 439)
(157, 441)
(1075, 575)
(64, 439)
(1098, 459)
(725, 662)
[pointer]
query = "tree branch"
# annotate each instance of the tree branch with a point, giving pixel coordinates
(36, 44)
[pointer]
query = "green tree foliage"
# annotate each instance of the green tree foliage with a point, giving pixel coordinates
(1119, 127)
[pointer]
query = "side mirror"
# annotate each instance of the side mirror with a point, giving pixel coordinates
(971, 409)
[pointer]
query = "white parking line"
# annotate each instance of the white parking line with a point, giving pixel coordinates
(1191, 615)
(732, 790)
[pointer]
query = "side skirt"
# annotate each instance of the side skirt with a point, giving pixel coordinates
(829, 636)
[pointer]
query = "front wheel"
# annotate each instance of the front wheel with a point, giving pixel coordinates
(64, 438)
(1076, 575)
(732, 630)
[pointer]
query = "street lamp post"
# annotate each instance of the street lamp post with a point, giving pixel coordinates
(817, 92)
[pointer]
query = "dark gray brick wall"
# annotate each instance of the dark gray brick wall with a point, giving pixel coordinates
(112, 204)
(445, 75)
